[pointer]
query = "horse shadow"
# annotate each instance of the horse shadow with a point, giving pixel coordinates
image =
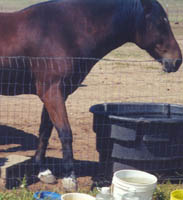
(10, 135)
(83, 168)
(2, 161)
(28, 141)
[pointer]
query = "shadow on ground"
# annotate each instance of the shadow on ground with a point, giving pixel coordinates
(83, 168)
(27, 141)
(2, 161)
(10, 135)
(56, 165)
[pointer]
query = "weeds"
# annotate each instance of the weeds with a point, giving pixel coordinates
(16, 194)
(159, 194)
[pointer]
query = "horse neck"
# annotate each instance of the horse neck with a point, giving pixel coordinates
(120, 25)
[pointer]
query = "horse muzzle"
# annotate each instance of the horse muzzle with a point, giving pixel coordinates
(171, 65)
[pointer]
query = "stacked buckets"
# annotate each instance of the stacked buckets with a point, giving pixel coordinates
(137, 184)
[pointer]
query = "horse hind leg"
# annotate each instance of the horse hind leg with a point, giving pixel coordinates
(55, 105)
(45, 130)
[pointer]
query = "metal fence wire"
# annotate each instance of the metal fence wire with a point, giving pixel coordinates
(112, 80)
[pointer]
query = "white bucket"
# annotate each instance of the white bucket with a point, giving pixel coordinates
(77, 196)
(142, 184)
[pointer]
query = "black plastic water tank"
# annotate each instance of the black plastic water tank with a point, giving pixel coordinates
(145, 136)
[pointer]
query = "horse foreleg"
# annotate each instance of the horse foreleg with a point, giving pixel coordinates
(46, 127)
(55, 105)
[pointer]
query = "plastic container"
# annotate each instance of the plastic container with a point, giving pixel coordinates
(77, 196)
(176, 195)
(104, 194)
(141, 136)
(130, 196)
(45, 195)
(141, 183)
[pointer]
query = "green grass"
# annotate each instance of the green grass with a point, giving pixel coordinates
(162, 192)
(22, 194)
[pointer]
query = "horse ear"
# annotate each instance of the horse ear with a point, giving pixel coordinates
(147, 5)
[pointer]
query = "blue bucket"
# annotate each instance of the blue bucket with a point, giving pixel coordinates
(45, 195)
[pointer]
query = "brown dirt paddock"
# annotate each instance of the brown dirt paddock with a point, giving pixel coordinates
(110, 81)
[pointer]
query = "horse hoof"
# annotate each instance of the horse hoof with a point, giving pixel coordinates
(69, 184)
(47, 177)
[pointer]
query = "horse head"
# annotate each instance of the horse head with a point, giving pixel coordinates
(157, 38)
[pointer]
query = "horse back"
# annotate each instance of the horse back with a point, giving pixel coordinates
(61, 29)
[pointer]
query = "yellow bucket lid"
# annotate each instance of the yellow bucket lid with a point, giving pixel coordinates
(176, 195)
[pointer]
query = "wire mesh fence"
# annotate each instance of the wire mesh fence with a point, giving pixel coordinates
(110, 80)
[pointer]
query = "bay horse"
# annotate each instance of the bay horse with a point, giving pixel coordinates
(74, 29)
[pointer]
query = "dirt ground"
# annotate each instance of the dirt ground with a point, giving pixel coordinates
(127, 74)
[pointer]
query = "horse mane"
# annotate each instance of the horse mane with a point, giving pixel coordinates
(158, 10)
(131, 12)
(41, 4)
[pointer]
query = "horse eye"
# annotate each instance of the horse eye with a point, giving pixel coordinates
(165, 19)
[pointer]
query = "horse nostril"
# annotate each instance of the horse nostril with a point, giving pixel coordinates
(171, 65)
